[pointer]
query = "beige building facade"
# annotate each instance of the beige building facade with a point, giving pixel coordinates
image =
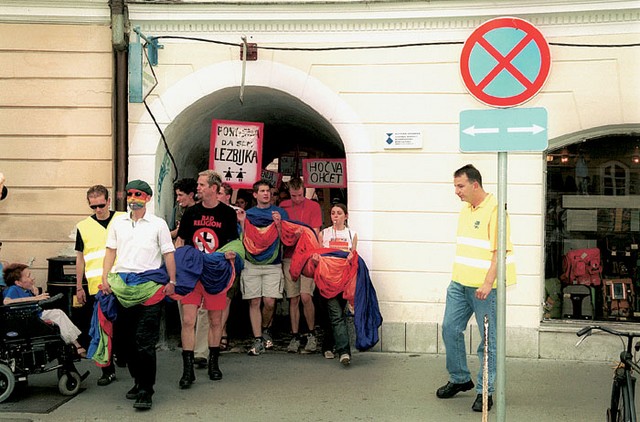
(331, 79)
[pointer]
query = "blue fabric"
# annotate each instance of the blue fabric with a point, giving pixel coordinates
(94, 331)
(461, 305)
(216, 271)
(261, 217)
(109, 306)
(213, 270)
(189, 265)
(367, 316)
(159, 276)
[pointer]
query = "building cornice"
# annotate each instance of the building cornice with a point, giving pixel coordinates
(55, 11)
(448, 18)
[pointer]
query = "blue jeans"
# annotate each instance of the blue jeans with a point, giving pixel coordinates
(461, 304)
(335, 307)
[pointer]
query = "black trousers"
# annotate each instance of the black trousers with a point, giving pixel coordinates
(142, 332)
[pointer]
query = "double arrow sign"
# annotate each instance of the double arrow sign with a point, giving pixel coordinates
(515, 129)
(473, 131)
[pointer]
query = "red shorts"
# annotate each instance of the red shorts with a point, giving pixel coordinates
(210, 302)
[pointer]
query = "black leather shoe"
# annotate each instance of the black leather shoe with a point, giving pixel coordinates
(143, 402)
(200, 363)
(451, 389)
(477, 405)
(133, 393)
(215, 374)
(106, 379)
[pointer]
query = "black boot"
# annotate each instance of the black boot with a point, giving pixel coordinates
(215, 374)
(188, 376)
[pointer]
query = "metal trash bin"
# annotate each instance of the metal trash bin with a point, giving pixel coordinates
(61, 278)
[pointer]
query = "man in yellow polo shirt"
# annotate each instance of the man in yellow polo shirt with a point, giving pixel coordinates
(473, 284)
(91, 239)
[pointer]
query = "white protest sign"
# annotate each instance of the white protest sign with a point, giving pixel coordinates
(236, 151)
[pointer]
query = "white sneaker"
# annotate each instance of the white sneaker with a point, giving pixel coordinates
(257, 348)
(311, 345)
(328, 354)
(294, 345)
(345, 359)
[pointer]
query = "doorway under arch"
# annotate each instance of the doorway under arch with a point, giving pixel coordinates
(291, 129)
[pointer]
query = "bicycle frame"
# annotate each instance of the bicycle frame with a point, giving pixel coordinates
(624, 382)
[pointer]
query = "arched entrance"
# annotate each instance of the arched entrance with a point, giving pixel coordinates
(291, 129)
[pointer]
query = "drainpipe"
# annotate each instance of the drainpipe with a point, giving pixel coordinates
(120, 149)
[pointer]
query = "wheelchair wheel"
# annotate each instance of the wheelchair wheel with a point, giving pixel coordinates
(7, 382)
(69, 383)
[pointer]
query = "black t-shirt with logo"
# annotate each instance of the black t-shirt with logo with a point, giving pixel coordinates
(208, 229)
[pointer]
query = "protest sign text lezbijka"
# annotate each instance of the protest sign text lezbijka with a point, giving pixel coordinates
(236, 151)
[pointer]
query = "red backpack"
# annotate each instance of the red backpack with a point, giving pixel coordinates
(582, 266)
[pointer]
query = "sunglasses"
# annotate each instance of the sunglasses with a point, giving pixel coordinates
(95, 207)
(136, 194)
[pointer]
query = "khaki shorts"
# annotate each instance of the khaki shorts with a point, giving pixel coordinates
(261, 281)
(294, 288)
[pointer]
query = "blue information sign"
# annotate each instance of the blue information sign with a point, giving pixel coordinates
(503, 130)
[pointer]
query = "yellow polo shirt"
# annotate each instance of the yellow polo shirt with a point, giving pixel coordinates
(477, 239)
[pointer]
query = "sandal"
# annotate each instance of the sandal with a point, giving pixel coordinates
(224, 343)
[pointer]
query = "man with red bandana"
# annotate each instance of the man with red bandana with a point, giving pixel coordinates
(141, 242)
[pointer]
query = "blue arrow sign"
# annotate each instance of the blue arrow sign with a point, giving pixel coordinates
(511, 129)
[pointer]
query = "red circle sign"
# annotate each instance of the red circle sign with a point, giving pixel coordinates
(505, 62)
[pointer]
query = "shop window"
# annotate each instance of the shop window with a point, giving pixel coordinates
(593, 206)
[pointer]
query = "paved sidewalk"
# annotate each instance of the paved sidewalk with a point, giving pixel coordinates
(376, 387)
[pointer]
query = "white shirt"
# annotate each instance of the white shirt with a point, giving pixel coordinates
(341, 239)
(139, 245)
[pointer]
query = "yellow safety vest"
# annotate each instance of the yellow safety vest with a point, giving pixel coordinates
(94, 237)
(477, 239)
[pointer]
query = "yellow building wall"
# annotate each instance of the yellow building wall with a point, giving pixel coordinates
(55, 134)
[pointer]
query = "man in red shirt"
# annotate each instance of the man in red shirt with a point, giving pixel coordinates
(308, 212)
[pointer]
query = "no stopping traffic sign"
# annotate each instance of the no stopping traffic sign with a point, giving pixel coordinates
(505, 62)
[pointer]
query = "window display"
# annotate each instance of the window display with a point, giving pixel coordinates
(592, 230)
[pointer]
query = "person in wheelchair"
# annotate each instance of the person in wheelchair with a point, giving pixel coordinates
(22, 288)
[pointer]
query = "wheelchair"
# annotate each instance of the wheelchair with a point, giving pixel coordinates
(29, 345)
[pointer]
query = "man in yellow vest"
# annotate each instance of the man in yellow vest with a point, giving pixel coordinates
(473, 284)
(91, 238)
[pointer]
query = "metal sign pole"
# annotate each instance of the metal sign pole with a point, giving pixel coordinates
(501, 307)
